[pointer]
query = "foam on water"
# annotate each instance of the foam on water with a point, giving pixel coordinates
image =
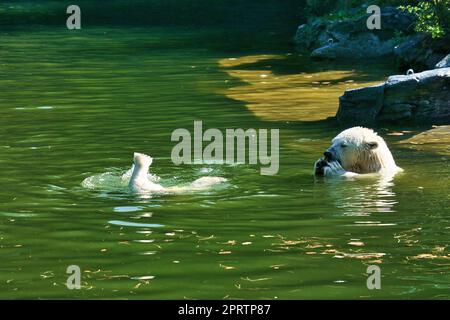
(116, 180)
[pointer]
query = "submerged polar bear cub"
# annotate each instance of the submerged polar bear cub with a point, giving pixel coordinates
(356, 151)
(140, 183)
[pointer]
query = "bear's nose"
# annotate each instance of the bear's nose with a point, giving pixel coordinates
(328, 155)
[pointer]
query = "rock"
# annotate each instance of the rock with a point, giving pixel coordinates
(351, 38)
(396, 19)
(420, 98)
(396, 112)
(362, 105)
(410, 51)
(362, 46)
(444, 63)
(421, 52)
(398, 108)
(308, 34)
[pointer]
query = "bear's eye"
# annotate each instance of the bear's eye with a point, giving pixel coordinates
(343, 145)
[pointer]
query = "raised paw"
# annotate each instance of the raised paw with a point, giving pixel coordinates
(319, 167)
(334, 168)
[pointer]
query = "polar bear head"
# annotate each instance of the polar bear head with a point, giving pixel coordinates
(360, 150)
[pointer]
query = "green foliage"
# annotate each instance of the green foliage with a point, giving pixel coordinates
(433, 17)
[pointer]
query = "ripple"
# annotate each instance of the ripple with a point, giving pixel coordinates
(143, 278)
(135, 224)
(128, 209)
(18, 214)
(147, 253)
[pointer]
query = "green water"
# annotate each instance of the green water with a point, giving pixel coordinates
(76, 105)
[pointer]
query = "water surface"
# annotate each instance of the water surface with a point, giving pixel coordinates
(76, 105)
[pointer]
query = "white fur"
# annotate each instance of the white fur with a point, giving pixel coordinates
(358, 151)
(140, 183)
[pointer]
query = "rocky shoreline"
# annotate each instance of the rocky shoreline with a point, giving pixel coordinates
(415, 98)
(421, 98)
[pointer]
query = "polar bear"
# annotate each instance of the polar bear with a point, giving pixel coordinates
(354, 152)
(140, 183)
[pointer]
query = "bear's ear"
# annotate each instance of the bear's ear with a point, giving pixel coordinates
(372, 145)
